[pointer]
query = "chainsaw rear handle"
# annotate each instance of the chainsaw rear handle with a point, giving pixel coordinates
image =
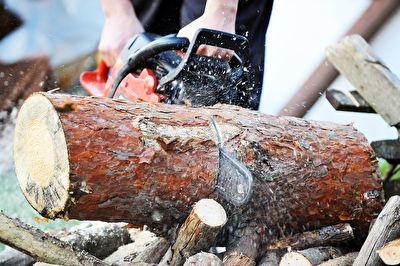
(138, 59)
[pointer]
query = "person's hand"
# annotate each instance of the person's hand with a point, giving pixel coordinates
(120, 25)
(218, 15)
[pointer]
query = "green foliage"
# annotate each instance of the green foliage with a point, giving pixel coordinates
(384, 165)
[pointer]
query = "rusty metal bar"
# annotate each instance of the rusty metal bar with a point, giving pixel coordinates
(368, 24)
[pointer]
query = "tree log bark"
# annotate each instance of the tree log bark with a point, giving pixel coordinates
(92, 158)
(309, 257)
(40, 246)
(389, 253)
(345, 260)
(385, 229)
(322, 237)
(242, 249)
(199, 231)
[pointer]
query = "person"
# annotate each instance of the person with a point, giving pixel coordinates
(250, 18)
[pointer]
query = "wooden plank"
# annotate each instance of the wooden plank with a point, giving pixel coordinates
(355, 60)
(350, 101)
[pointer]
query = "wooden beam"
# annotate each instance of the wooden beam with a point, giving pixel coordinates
(355, 60)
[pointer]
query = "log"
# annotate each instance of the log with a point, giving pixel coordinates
(243, 245)
(390, 252)
(199, 231)
(203, 258)
(12, 257)
(40, 246)
(385, 229)
(309, 257)
(325, 236)
(91, 158)
(345, 260)
(271, 258)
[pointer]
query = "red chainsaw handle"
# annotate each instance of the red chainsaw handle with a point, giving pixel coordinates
(102, 71)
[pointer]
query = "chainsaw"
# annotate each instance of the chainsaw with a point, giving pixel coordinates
(149, 70)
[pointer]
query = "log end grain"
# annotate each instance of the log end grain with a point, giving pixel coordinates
(210, 212)
(390, 253)
(41, 156)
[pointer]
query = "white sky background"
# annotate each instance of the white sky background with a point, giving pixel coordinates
(297, 37)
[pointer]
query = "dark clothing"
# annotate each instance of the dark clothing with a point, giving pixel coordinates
(165, 17)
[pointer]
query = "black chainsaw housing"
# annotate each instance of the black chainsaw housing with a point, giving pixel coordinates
(196, 80)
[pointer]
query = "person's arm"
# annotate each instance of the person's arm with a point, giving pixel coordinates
(121, 24)
(218, 15)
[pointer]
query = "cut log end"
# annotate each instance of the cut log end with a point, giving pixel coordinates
(41, 156)
(211, 213)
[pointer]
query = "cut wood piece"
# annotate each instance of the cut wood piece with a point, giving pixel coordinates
(385, 229)
(91, 158)
(390, 253)
(345, 260)
(271, 258)
(309, 257)
(199, 231)
(350, 101)
(328, 235)
(243, 245)
(355, 60)
(203, 258)
(40, 246)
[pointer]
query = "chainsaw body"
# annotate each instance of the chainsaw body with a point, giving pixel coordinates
(149, 70)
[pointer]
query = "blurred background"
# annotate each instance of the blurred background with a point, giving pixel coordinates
(58, 40)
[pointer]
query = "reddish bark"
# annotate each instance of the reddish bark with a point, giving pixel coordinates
(148, 163)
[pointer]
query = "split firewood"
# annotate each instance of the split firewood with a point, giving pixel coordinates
(328, 235)
(199, 231)
(243, 245)
(91, 158)
(40, 246)
(345, 260)
(203, 258)
(390, 253)
(385, 229)
(309, 257)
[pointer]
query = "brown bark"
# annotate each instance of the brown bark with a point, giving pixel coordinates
(309, 257)
(385, 229)
(40, 246)
(243, 245)
(147, 163)
(389, 253)
(322, 237)
(199, 231)
(345, 260)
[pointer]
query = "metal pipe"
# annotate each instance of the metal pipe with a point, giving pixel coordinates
(367, 25)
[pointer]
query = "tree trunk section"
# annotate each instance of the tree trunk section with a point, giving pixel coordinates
(243, 245)
(199, 231)
(40, 246)
(322, 237)
(390, 253)
(385, 229)
(309, 257)
(345, 260)
(91, 158)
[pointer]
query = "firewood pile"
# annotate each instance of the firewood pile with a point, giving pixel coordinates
(99, 243)
(316, 192)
